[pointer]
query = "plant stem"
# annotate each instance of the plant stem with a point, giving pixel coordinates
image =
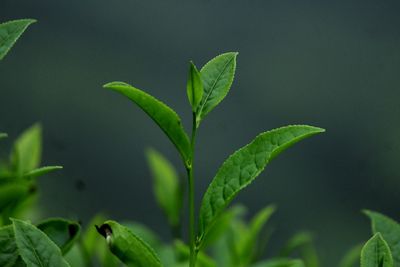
(192, 241)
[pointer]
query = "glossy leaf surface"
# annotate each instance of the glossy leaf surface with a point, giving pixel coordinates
(10, 32)
(35, 248)
(390, 231)
(129, 248)
(163, 116)
(242, 167)
(376, 253)
(217, 76)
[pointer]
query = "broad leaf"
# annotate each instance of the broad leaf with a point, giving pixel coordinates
(166, 186)
(27, 150)
(9, 254)
(10, 32)
(41, 171)
(352, 257)
(62, 232)
(280, 263)
(390, 231)
(129, 248)
(376, 253)
(164, 116)
(241, 168)
(217, 76)
(194, 87)
(35, 248)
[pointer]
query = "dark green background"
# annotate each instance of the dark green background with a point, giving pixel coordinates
(333, 64)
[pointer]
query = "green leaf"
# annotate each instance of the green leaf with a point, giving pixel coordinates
(280, 263)
(202, 259)
(194, 87)
(376, 253)
(9, 254)
(241, 168)
(352, 257)
(217, 76)
(166, 186)
(27, 150)
(144, 233)
(3, 135)
(163, 116)
(302, 242)
(41, 171)
(129, 248)
(390, 231)
(247, 247)
(62, 232)
(10, 31)
(75, 256)
(35, 248)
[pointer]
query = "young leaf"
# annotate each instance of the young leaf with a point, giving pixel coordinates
(129, 248)
(352, 257)
(41, 171)
(390, 231)
(164, 116)
(27, 150)
(241, 168)
(10, 32)
(144, 233)
(302, 242)
(166, 186)
(12, 194)
(8, 248)
(217, 76)
(62, 232)
(280, 263)
(35, 248)
(376, 253)
(194, 87)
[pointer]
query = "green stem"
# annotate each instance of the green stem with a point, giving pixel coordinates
(192, 234)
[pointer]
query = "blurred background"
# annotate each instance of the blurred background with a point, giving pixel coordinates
(333, 64)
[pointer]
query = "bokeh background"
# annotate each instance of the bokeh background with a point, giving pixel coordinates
(333, 64)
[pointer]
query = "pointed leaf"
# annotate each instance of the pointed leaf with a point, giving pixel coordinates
(217, 76)
(41, 171)
(62, 232)
(10, 32)
(163, 115)
(241, 168)
(35, 248)
(129, 248)
(166, 186)
(390, 231)
(194, 87)
(8, 248)
(352, 257)
(376, 253)
(27, 150)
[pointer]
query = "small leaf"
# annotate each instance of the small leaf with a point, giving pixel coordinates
(194, 87)
(62, 232)
(376, 253)
(27, 150)
(8, 248)
(3, 135)
(35, 248)
(283, 262)
(129, 248)
(241, 168)
(390, 231)
(217, 76)
(10, 31)
(352, 257)
(41, 171)
(166, 186)
(302, 242)
(164, 116)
